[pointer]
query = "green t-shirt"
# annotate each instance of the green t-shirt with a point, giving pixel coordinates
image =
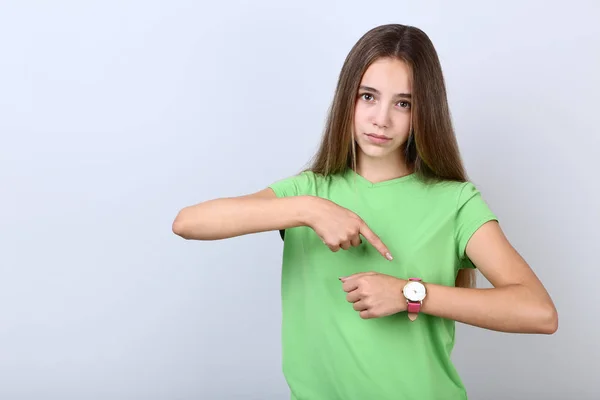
(329, 352)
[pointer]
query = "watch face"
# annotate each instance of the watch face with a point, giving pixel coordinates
(414, 291)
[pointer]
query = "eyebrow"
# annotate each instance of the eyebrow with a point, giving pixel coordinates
(370, 89)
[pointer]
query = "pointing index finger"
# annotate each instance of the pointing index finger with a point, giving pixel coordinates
(375, 241)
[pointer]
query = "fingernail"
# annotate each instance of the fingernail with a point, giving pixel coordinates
(389, 256)
(341, 278)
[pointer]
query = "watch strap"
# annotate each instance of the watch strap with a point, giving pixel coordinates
(413, 307)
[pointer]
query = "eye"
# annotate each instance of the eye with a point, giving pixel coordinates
(366, 96)
(404, 104)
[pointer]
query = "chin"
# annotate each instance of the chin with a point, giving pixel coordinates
(374, 151)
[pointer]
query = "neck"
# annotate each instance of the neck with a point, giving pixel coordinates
(377, 169)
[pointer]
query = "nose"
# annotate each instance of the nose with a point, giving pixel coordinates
(381, 116)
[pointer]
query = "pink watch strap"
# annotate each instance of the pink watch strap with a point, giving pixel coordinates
(413, 307)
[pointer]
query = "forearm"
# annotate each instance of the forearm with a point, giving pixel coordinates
(229, 217)
(513, 308)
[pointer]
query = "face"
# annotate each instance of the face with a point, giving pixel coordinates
(383, 109)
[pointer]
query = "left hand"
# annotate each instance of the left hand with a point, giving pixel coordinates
(374, 295)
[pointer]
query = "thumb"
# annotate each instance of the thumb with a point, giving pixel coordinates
(356, 275)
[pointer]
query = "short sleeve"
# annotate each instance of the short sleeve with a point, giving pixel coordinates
(296, 185)
(472, 212)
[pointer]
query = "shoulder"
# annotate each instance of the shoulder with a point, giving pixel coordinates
(469, 193)
(457, 197)
(302, 183)
(447, 191)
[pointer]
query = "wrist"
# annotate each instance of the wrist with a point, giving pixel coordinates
(307, 207)
(414, 292)
(402, 303)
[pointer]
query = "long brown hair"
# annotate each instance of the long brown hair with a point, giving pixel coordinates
(431, 149)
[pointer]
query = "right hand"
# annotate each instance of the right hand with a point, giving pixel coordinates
(340, 228)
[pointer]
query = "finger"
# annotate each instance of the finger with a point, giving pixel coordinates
(333, 247)
(356, 241)
(360, 306)
(353, 296)
(366, 314)
(349, 285)
(352, 282)
(345, 245)
(357, 275)
(375, 241)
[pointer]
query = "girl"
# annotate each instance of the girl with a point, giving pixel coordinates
(381, 238)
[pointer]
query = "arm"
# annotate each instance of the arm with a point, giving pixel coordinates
(223, 218)
(229, 217)
(517, 303)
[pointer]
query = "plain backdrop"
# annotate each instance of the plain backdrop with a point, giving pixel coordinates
(116, 114)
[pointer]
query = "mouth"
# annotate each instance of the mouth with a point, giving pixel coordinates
(378, 136)
(377, 139)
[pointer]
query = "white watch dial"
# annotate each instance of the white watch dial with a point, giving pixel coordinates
(414, 291)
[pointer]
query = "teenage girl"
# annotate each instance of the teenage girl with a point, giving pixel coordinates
(382, 235)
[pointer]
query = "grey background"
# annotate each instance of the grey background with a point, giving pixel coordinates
(114, 115)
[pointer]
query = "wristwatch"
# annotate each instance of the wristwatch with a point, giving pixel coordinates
(414, 291)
